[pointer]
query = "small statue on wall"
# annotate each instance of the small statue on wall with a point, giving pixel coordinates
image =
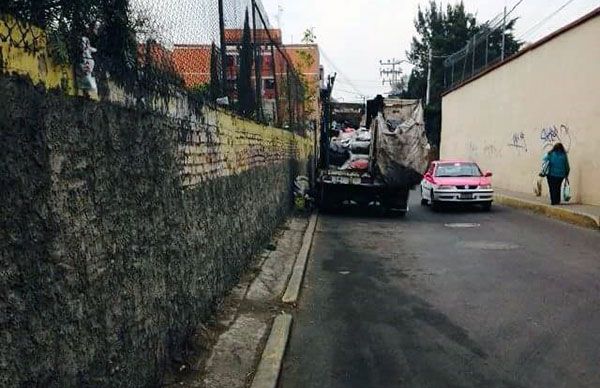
(88, 81)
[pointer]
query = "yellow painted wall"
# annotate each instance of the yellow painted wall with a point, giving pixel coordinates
(220, 144)
(37, 63)
(510, 117)
(226, 145)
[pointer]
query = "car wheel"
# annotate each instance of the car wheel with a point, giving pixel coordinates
(487, 206)
(424, 202)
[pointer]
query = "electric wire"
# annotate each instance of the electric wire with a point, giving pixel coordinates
(544, 20)
(340, 73)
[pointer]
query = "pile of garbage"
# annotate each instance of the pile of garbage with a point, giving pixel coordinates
(394, 147)
(350, 149)
(303, 195)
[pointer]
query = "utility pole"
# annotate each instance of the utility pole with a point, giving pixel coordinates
(429, 76)
(391, 71)
(503, 33)
(223, 50)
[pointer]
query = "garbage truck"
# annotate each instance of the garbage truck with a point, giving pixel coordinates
(377, 163)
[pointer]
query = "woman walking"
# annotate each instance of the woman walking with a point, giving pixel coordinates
(556, 170)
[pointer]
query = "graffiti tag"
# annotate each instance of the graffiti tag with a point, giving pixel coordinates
(491, 150)
(553, 134)
(518, 141)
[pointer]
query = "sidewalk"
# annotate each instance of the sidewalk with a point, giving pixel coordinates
(584, 215)
(250, 329)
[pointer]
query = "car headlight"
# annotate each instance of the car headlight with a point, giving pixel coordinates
(485, 187)
(445, 188)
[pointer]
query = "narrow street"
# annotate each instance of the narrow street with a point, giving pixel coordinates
(460, 298)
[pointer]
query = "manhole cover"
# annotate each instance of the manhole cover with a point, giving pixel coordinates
(462, 225)
(489, 245)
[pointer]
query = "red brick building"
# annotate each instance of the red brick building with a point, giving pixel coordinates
(193, 63)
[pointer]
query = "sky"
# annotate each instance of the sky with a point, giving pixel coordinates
(354, 35)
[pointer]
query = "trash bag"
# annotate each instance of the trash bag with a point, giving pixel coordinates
(338, 154)
(566, 192)
(402, 147)
(537, 187)
(360, 146)
(359, 163)
(301, 185)
(302, 198)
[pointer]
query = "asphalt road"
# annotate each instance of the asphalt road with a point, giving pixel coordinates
(513, 301)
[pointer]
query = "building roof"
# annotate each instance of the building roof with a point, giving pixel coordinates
(234, 35)
(193, 63)
(593, 14)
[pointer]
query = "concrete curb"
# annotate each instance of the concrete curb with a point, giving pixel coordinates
(559, 213)
(293, 289)
(269, 368)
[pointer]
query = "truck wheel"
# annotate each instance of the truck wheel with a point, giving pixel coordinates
(399, 214)
(325, 203)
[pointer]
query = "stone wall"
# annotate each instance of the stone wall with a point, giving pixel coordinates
(120, 228)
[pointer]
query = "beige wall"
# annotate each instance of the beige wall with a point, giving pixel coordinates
(509, 117)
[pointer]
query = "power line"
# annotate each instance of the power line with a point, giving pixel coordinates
(349, 92)
(541, 22)
(341, 74)
(514, 6)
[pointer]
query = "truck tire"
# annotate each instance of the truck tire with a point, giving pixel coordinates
(325, 203)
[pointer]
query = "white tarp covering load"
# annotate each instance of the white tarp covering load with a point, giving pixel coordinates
(402, 149)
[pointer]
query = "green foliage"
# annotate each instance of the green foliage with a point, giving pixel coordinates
(201, 92)
(112, 29)
(246, 100)
(58, 48)
(446, 32)
(309, 36)
(306, 94)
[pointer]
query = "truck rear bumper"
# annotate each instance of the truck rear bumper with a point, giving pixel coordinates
(364, 193)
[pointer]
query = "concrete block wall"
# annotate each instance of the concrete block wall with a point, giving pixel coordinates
(509, 118)
(121, 227)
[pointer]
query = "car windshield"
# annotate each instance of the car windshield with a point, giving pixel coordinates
(457, 170)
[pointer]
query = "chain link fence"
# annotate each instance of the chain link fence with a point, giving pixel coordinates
(486, 48)
(224, 52)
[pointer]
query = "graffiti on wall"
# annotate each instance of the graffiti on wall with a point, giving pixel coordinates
(518, 141)
(491, 151)
(551, 135)
(473, 150)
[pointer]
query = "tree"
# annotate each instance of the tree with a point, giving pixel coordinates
(446, 33)
(309, 36)
(244, 81)
(215, 78)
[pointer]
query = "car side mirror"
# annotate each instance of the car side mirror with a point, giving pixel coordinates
(488, 174)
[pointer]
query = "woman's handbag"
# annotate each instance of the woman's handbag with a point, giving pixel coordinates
(537, 186)
(545, 168)
(566, 192)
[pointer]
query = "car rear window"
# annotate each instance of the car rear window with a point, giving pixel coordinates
(457, 170)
